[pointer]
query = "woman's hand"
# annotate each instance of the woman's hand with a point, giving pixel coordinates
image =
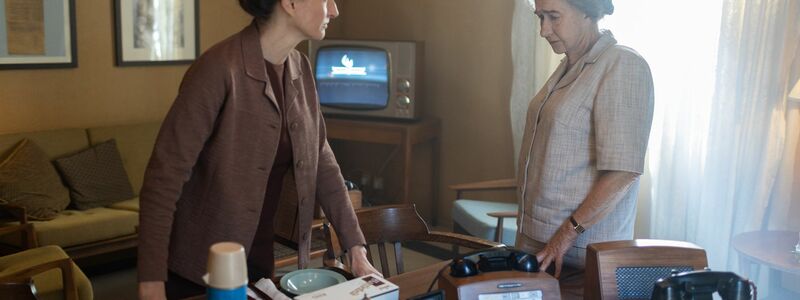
(359, 265)
(555, 249)
(152, 290)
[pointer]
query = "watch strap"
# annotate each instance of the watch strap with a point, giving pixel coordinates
(578, 227)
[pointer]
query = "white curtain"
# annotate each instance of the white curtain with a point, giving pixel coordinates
(724, 139)
(723, 148)
(533, 62)
(747, 136)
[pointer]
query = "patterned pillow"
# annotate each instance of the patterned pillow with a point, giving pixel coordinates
(95, 176)
(28, 179)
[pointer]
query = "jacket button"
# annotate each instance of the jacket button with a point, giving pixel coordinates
(293, 126)
(300, 164)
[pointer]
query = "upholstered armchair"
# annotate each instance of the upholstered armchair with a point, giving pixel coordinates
(484, 218)
(38, 272)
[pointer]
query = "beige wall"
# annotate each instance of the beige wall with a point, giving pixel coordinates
(467, 77)
(467, 71)
(97, 92)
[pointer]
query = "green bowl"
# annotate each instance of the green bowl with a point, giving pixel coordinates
(308, 280)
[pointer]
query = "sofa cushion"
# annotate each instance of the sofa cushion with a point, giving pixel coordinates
(129, 205)
(28, 179)
(95, 176)
(135, 143)
(76, 227)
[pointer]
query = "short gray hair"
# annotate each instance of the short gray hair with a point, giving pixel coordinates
(595, 9)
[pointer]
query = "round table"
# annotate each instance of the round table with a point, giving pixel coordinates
(772, 249)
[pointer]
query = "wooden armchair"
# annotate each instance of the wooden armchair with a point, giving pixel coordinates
(30, 274)
(629, 269)
(396, 224)
(470, 216)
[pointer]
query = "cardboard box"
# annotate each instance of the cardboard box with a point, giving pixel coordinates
(365, 287)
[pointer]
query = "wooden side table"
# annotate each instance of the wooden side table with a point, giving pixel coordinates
(773, 250)
(401, 134)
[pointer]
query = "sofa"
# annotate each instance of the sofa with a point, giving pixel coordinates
(89, 232)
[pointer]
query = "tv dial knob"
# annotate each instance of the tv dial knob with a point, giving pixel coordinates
(403, 85)
(403, 101)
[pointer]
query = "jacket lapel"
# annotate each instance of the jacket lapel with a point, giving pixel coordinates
(295, 73)
(254, 64)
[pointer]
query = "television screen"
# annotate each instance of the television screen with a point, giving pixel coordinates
(353, 77)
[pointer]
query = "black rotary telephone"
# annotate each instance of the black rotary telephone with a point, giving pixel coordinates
(494, 259)
(701, 285)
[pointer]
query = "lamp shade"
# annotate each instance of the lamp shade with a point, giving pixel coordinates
(795, 93)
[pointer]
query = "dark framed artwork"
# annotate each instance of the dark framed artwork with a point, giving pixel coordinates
(37, 34)
(156, 32)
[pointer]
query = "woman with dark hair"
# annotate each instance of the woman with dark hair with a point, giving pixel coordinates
(246, 116)
(584, 142)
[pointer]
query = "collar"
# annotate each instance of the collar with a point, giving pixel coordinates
(605, 42)
(254, 63)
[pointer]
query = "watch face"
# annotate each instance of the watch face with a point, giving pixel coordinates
(579, 229)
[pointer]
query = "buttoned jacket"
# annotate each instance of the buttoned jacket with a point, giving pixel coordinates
(207, 176)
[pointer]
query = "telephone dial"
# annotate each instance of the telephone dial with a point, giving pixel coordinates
(494, 259)
(701, 285)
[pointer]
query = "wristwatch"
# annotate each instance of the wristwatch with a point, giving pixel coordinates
(578, 227)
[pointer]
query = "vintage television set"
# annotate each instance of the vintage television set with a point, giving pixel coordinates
(371, 79)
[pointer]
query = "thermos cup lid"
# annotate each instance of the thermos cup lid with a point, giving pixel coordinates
(227, 266)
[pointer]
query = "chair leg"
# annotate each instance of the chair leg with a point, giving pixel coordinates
(498, 232)
(332, 255)
(384, 259)
(398, 257)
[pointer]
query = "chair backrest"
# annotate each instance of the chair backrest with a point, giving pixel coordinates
(398, 224)
(629, 269)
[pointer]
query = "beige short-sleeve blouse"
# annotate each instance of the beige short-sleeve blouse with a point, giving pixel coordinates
(594, 117)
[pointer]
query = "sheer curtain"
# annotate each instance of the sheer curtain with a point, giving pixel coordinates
(723, 129)
(533, 62)
(722, 154)
(747, 135)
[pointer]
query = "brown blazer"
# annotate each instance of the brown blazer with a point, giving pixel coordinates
(206, 179)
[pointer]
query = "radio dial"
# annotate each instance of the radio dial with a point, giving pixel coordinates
(403, 85)
(403, 101)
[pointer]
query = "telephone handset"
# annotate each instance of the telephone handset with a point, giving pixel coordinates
(702, 284)
(494, 259)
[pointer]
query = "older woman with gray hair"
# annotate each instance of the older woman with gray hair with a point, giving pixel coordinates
(584, 142)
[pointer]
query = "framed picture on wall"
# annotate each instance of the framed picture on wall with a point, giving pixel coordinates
(37, 34)
(156, 32)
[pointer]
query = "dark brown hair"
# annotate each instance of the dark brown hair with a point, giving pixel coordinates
(259, 9)
(595, 9)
